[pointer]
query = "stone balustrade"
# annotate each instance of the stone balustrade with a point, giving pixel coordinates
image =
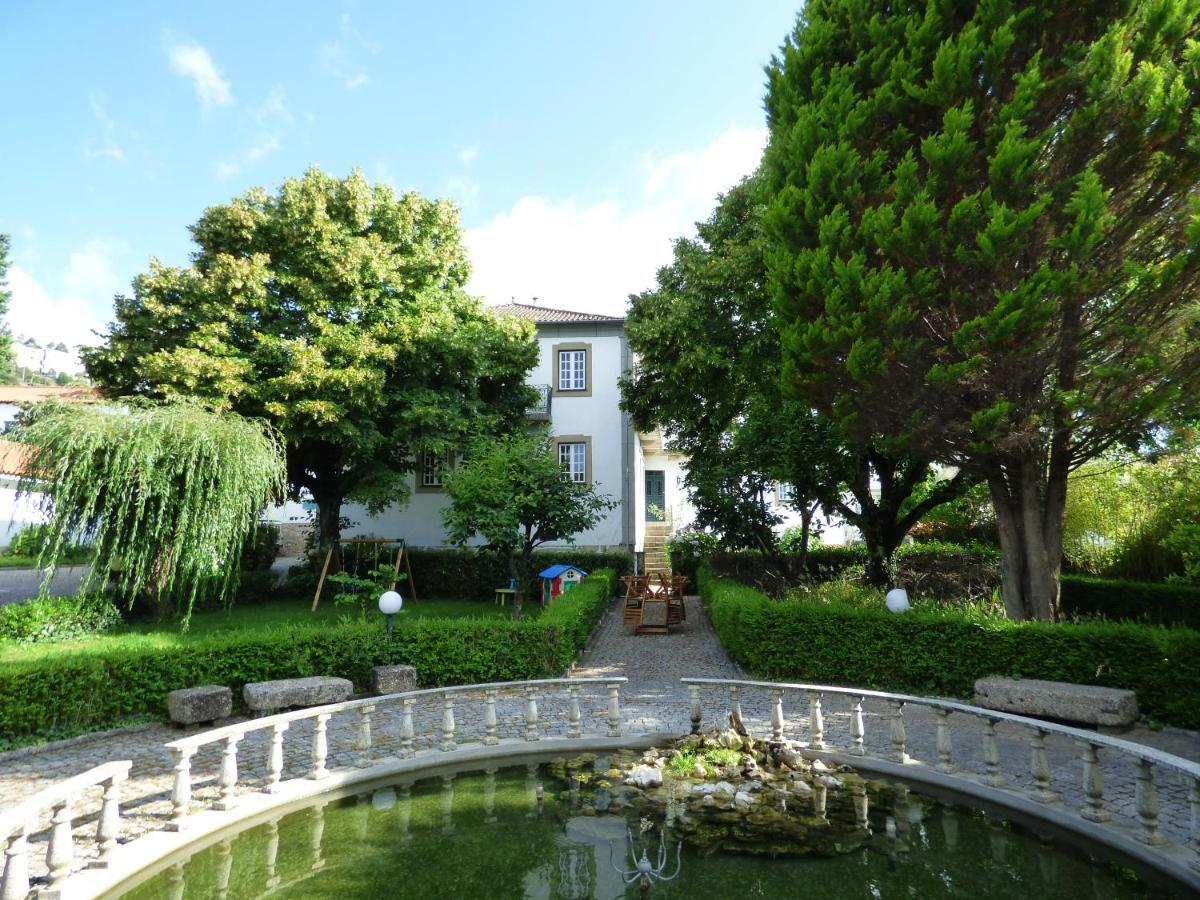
(1141, 824)
(476, 700)
(64, 801)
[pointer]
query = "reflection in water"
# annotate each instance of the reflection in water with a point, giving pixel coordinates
(575, 832)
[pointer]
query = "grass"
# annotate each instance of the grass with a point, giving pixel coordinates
(30, 562)
(249, 618)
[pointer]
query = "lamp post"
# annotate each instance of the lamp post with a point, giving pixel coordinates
(390, 603)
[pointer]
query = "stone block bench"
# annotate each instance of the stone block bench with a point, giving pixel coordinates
(1082, 703)
(288, 693)
(207, 703)
(393, 679)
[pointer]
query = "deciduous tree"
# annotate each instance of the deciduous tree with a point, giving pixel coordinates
(983, 238)
(334, 309)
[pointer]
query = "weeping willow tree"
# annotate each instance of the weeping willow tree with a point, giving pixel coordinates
(166, 494)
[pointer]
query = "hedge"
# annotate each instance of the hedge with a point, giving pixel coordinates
(472, 575)
(943, 652)
(88, 690)
(1162, 604)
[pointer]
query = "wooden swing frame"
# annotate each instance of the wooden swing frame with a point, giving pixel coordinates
(402, 555)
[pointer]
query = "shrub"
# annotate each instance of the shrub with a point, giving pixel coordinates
(942, 652)
(57, 618)
(687, 549)
(27, 542)
(86, 690)
(1161, 604)
(474, 575)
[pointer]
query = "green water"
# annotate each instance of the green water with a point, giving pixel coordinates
(486, 835)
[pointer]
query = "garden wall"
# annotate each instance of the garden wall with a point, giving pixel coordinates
(85, 691)
(942, 652)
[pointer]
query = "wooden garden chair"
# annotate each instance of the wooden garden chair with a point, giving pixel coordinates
(635, 596)
(676, 613)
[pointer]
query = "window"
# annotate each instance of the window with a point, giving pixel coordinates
(784, 492)
(575, 457)
(433, 466)
(572, 370)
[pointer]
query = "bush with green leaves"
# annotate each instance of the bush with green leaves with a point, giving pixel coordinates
(28, 542)
(688, 548)
(46, 619)
(1160, 604)
(91, 689)
(942, 651)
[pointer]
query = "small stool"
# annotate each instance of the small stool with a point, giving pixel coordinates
(502, 595)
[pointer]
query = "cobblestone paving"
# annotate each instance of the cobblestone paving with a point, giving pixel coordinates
(653, 700)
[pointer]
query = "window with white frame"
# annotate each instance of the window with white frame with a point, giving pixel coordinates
(572, 456)
(433, 466)
(784, 492)
(572, 370)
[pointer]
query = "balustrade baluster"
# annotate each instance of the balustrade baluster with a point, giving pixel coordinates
(228, 779)
(60, 853)
(275, 757)
(447, 804)
(1042, 791)
(176, 882)
(364, 736)
(1093, 785)
(406, 729)
(490, 737)
(224, 855)
(1194, 802)
(320, 747)
(108, 825)
(858, 796)
(448, 726)
(316, 836)
(531, 714)
(697, 712)
(944, 747)
(271, 854)
(614, 710)
(573, 717)
(816, 723)
(991, 754)
(15, 885)
(898, 735)
(735, 702)
(1147, 804)
(857, 732)
(776, 714)
(820, 795)
(181, 790)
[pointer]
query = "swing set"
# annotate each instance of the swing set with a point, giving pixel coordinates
(382, 548)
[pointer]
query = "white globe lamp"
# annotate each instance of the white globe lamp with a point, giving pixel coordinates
(390, 603)
(897, 600)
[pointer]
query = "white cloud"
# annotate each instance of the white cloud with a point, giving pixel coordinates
(591, 257)
(467, 155)
(341, 57)
(105, 146)
(193, 61)
(35, 313)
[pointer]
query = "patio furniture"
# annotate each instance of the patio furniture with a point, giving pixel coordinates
(655, 616)
(676, 612)
(635, 594)
(503, 595)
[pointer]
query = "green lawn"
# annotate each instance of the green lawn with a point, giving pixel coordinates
(254, 617)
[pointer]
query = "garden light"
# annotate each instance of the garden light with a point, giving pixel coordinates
(390, 603)
(897, 600)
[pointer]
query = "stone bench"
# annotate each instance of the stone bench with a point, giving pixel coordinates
(393, 679)
(288, 693)
(1083, 703)
(207, 703)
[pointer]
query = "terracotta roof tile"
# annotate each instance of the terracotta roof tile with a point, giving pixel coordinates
(545, 315)
(34, 393)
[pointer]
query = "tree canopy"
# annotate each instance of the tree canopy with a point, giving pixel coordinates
(166, 494)
(512, 492)
(983, 226)
(709, 375)
(8, 358)
(335, 310)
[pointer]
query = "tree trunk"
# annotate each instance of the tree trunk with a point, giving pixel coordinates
(516, 571)
(807, 511)
(1030, 503)
(329, 525)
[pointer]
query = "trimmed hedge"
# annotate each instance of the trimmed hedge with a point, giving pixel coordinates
(1162, 604)
(89, 690)
(943, 652)
(472, 575)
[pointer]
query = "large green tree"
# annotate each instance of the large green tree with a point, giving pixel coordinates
(513, 493)
(983, 229)
(166, 493)
(8, 359)
(708, 374)
(335, 310)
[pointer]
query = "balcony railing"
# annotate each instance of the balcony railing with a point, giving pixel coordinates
(540, 410)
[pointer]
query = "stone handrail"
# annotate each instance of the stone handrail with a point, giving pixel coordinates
(1144, 827)
(230, 736)
(60, 799)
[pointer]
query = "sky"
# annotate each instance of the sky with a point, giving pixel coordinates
(579, 140)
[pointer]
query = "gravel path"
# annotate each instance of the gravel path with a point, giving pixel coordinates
(653, 700)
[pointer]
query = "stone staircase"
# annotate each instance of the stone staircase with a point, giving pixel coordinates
(655, 546)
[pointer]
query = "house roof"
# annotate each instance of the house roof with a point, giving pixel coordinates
(14, 457)
(555, 571)
(545, 315)
(35, 393)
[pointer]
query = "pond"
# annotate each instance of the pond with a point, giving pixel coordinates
(563, 830)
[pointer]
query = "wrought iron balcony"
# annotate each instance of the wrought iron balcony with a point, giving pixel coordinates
(540, 410)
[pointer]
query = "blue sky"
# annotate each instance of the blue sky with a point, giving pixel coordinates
(578, 139)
